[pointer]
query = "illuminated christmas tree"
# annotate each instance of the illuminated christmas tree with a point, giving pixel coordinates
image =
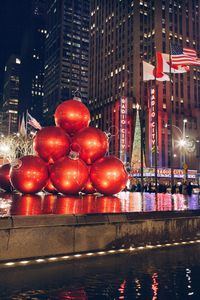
(136, 151)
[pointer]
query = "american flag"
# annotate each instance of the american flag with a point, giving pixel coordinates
(184, 56)
(33, 122)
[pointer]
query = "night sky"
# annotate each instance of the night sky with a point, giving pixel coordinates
(14, 18)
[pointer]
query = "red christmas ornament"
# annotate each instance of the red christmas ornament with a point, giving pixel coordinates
(108, 175)
(30, 175)
(48, 204)
(26, 205)
(108, 204)
(69, 175)
(72, 116)
(68, 205)
(5, 178)
(51, 143)
(91, 143)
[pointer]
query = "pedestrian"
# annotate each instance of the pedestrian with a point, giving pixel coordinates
(173, 189)
(189, 189)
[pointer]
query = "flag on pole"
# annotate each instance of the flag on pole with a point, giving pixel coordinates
(163, 64)
(22, 128)
(184, 56)
(33, 122)
(150, 73)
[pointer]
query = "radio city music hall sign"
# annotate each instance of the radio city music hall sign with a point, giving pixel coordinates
(153, 117)
(123, 125)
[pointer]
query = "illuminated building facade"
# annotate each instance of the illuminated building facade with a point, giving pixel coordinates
(11, 95)
(32, 63)
(122, 34)
(67, 47)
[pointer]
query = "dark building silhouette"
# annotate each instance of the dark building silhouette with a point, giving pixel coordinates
(66, 54)
(122, 34)
(32, 62)
(9, 116)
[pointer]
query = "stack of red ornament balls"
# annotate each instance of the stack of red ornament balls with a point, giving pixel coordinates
(71, 158)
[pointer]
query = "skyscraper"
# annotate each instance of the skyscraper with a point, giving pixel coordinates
(67, 46)
(11, 95)
(122, 34)
(32, 62)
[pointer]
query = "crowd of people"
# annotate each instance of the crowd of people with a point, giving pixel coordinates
(183, 188)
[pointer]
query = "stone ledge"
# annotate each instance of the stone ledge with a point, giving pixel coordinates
(77, 220)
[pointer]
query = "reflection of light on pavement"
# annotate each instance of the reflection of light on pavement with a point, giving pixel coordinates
(164, 202)
(149, 202)
(180, 202)
(131, 202)
(154, 286)
(135, 204)
(124, 199)
(5, 206)
(193, 202)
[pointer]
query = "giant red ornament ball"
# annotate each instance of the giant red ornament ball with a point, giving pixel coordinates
(72, 116)
(51, 143)
(108, 175)
(30, 175)
(91, 143)
(69, 175)
(5, 178)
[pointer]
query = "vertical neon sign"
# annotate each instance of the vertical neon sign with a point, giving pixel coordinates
(123, 128)
(152, 124)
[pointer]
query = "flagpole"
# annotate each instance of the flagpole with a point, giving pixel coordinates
(156, 131)
(171, 119)
(26, 122)
(141, 126)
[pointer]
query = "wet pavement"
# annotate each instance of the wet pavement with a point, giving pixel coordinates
(42, 204)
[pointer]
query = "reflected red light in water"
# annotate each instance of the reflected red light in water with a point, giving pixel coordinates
(73, 295)
(154, 286)
(26, 205)
(108, 204)
(49, 202)
(89, 204)
(68, 205)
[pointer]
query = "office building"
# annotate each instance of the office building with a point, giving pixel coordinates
(32, 62)
(66, 54)
(122, 34)
(11, 95)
